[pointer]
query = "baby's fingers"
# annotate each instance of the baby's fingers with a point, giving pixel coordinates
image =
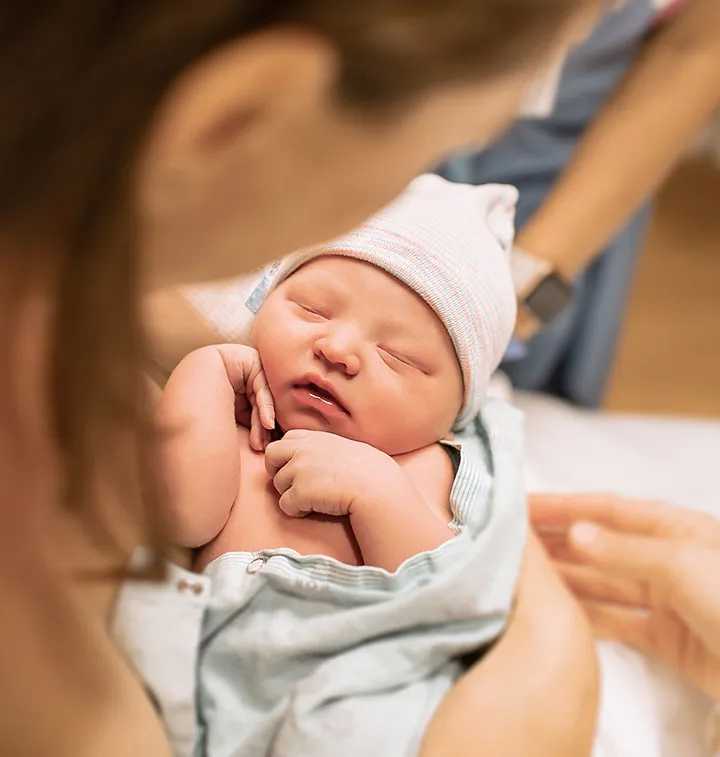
(259, 436)
(264, 401)
(266, 410)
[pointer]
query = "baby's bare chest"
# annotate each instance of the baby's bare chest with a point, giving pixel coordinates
(257, 523)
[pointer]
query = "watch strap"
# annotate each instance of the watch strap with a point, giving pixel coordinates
(527, 271)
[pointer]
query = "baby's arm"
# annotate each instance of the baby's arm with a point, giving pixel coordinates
(200, 446)
(397, 508)
(414, 514)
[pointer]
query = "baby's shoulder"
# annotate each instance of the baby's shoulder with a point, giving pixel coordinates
(431, 471)
(432, 455)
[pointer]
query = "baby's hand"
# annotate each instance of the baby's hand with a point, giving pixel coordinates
(319, 472)
(254, 405)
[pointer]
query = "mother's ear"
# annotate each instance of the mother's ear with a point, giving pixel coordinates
(215, 108)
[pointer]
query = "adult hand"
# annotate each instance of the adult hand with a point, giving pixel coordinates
(646, 573)
(536, 692)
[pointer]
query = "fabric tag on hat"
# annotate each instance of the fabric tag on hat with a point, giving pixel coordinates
(257, 297)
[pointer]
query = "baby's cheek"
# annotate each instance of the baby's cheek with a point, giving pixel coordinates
(275, 385)
(401, 428)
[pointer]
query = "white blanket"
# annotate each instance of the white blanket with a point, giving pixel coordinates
(646, 710)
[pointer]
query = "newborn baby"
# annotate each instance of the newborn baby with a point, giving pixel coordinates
(374, 348)
(366, 369)
(378, 538)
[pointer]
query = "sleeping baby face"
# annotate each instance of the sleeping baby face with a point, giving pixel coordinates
(349, 349)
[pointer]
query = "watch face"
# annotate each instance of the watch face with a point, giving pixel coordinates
(549, 298)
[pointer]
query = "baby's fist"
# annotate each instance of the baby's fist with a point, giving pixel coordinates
(319, 472)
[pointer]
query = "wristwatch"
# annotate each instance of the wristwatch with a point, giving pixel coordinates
(540, 289)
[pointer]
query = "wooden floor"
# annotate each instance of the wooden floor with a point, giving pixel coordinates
(669, 358)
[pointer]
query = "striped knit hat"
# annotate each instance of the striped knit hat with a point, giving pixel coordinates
(450, 243)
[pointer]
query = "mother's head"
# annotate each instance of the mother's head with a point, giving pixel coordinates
(147, 142)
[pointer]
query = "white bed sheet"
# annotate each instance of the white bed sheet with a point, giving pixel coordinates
(646, 710)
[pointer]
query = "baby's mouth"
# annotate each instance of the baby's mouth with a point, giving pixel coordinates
(322, 395)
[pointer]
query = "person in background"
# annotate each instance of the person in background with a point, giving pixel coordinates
(146, 144)
(602, 131)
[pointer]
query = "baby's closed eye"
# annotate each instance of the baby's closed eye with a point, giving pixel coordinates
(399, 360)
(313, 310)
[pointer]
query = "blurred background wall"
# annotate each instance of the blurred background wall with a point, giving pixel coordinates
(669, 358)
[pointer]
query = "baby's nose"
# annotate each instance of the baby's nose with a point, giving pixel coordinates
(339, 353)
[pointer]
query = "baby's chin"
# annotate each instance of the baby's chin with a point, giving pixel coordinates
(385, 440)
(294, 420)
(291, 419)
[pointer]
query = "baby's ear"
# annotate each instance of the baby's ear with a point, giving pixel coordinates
(498, 203)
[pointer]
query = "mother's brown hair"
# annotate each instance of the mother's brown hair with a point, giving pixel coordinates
(79, 85)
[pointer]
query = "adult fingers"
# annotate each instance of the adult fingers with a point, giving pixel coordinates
(662, 635)
(590, 584)
(586, 581)
(624, 625)
(550, 512)
(679, 573)
(626, 556)
(556, 545)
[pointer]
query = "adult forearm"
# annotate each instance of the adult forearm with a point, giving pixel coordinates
(175, 329)
(516, 704)
(536, 692)
(634, 141)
